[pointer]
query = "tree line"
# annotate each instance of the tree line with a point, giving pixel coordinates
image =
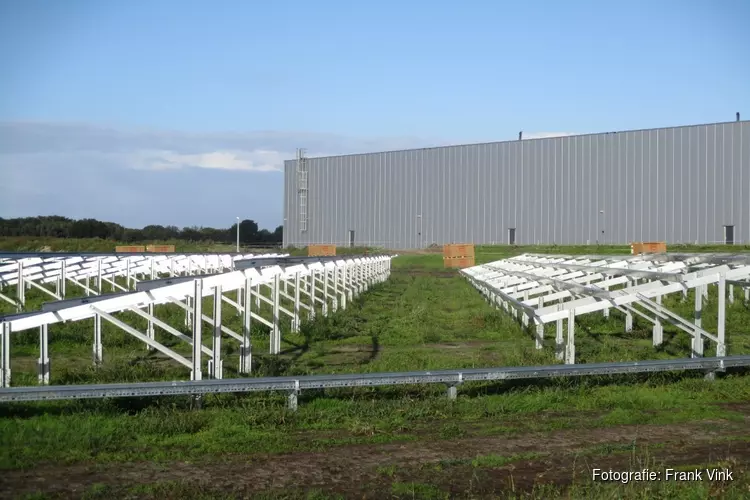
(55, 226)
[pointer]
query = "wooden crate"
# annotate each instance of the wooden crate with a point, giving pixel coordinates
(648, 247)
(160, 248)
(130, 249)
(321, 250)
(458, 262)
(458, 255)
(458, 250)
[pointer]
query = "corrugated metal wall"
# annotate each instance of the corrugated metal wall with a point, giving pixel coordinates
(679, 185)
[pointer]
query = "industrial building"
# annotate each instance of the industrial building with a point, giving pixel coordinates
(683, 184)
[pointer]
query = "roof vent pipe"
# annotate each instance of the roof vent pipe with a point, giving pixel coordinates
(520, 134)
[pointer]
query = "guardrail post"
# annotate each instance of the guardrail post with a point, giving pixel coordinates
(97, 340)
(292, 402)
(197, 372)
(5, 354)
(453, 388)
(452, 392)
(570, 351)
(215, 364)
(43, 362)
(658, 330)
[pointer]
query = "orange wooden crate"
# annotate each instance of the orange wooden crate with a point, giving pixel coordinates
(648, 247)
(458, 262)
(160, 248)
(458, 250)
(130, 248)
(321, 250)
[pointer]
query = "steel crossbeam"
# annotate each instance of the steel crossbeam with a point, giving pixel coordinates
(345, 276)
(552, 289)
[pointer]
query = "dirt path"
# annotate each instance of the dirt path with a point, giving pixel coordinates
(353, 470)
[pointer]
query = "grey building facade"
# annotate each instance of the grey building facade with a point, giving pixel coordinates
(679, 185)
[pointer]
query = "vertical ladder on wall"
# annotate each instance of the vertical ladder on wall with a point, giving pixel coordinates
(302, 188)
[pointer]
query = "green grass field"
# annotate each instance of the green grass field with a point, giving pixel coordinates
(501, 440)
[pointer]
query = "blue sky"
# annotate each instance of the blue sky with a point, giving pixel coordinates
(180, 112)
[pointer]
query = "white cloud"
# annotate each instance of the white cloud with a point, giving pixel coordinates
(248, 161)
(545, 135)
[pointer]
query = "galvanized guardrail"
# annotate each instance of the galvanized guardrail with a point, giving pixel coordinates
(294, 385)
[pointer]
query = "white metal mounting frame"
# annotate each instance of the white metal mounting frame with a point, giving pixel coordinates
(329, 283)
(541, 289)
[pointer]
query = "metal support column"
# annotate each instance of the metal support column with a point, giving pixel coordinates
(197, 373)
(540, 328)
(99, 277)
(335, 300)
(247, 317)
(297, 285)
(311, 291)
(5, 354)
(275, 346)
(344, 287)
(697, 343)
(721, 349)
(570, 351)
(188, 319)
(20, 288)
(150, 332)
(658, 330)
(97, 340)
(43, 367)
(215, 364)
